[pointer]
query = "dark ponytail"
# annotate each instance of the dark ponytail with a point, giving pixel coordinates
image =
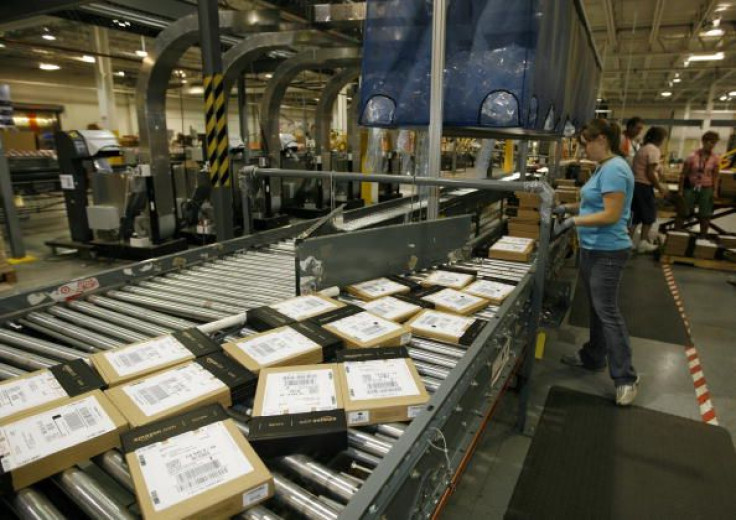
(610, 129)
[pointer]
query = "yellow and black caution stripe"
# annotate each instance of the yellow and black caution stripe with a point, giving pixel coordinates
(216, 128)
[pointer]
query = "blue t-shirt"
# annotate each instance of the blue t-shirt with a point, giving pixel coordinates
(614, 175)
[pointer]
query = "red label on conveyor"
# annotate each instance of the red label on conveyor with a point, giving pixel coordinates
(72, 290)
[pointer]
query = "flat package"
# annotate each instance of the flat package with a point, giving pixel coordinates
(377, 288)
(392, 308)
(195, 465)
(47, 386)
(515, 249)
(364, 330)
(49, 439)
(146, 357)
(215, 378)
(381, 390)
(678, 243)
(443, 326)
(458, 302)
(705, 249)
(295, 344)
(298, 409)
(494, 292)
(289, 311)
(445, 278)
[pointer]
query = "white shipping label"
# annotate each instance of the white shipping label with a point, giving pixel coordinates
(304, 307)
(172, 388)
(390, 308)
(510, 247)
(443, 323)
(490, 290)
(379, 379)
(146, 355)
(449, 279)
(190, 464)
(299, 391)
(364, 327)
(453, 300)
(380, 287)
(38, 436)
(413, 411)
(515, 240)
(272, 347)
(359, 417)
(255, 495)
(22, 394)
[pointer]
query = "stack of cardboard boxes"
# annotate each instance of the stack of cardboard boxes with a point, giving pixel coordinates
(526, 221)
(567, 192)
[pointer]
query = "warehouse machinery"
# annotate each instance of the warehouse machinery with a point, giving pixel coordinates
(391, 470)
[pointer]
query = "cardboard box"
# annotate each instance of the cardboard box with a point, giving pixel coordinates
(289, 311)
(22, 141)
(296, 344)
(392, 309)
(458, 302)
(678, 243)
(363, 330)
(494, 292)
(447, 278)
(377, 288)
(210, 379)
(528, 215)
(727, 184)
(727, 241)
(46, 387)
(705, 249)
(146, 357)
(527, 199)
(51, 438)
(443, 326)
(195, 465)
(565, 182)
(302, 389)
(514, 249)
(381, 390)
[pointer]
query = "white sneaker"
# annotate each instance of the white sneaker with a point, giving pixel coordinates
(646, 247)
(625, 394)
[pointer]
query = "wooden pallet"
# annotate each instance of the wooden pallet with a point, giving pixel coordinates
(717, 265)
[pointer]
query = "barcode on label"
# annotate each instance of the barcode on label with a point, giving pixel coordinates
(265, 349)
(153, 395)
(255, 495)
(79, 419)
(154, 497)
(306, 383)
(358, 417)
(131, 358)
(200, 475)
(380, 384)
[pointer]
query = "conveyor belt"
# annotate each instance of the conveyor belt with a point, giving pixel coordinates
(215, 290)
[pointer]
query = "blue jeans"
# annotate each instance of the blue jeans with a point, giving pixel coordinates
(600, 273)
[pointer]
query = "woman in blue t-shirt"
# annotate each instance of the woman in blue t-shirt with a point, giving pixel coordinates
(601, 222)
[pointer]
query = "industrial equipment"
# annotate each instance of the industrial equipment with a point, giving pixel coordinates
(121, 220)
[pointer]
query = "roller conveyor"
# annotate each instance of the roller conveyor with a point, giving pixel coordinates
(31, 504)
(158, 318)
(90, 496)
(95, 324)
(24, 360)
(9, 372)
(39, 346)
(93, 340)
(146, 328)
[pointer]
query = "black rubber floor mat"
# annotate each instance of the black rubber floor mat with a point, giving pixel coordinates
(592, 459)
(645, 301)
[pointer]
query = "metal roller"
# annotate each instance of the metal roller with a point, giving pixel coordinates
(243, 295)
(354, 466)
(209, 280)
(430, 383)
(362, 457)
(301, 500)
(426, 369)
(137, 311)
(438, 348)
(203, 303)
(223, 272)
(176, 289)
(270, 265)
(115, 331)
(367, 442)
(417, 354)
(25, 360)
(144, 327)
(320, 475)
(82, 346)
(166, 305)
(114, 465)
(39, 346)
(262, 255)
(31, 504)
(97, 341)
(258, 513)
(8, 372)
(90, 496)
(337, 506)
(394, 430)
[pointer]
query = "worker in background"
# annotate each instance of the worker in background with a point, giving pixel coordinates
(698, 182)
(605, 246)
(629, 143)
(647, 169)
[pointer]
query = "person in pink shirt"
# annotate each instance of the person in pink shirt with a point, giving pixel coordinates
(698, 180)
(646, 178)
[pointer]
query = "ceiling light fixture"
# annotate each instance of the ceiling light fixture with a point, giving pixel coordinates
(48, 36)
(48, 66)
(676, 80)
(723, 98)
(196, 90)
(706, 57)
(666, 93)
(268, 76)
(2, 45)
(88, 59)
(141, 53)
(732, 93)
(722, 7)
(120, 73)
(716, 32)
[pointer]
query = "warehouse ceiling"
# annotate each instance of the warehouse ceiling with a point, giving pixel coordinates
(648, 46)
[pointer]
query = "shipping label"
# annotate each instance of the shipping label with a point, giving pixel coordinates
(379, 379)
(442, 323)
(454, 300)
(149, 354)
(390, 308)
(304, 307)
(300, 391)
(26, 393)
(364, 327)
(489, 289)
(272, 347)
(379, 287)
(449, 279)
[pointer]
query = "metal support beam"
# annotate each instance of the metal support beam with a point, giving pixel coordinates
(243, 115)
(12, 224)
(103, 79)
(436, 95)
(323, 115)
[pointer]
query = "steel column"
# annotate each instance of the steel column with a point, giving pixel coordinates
(436, 98)
(323, 117)
(12, 224)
